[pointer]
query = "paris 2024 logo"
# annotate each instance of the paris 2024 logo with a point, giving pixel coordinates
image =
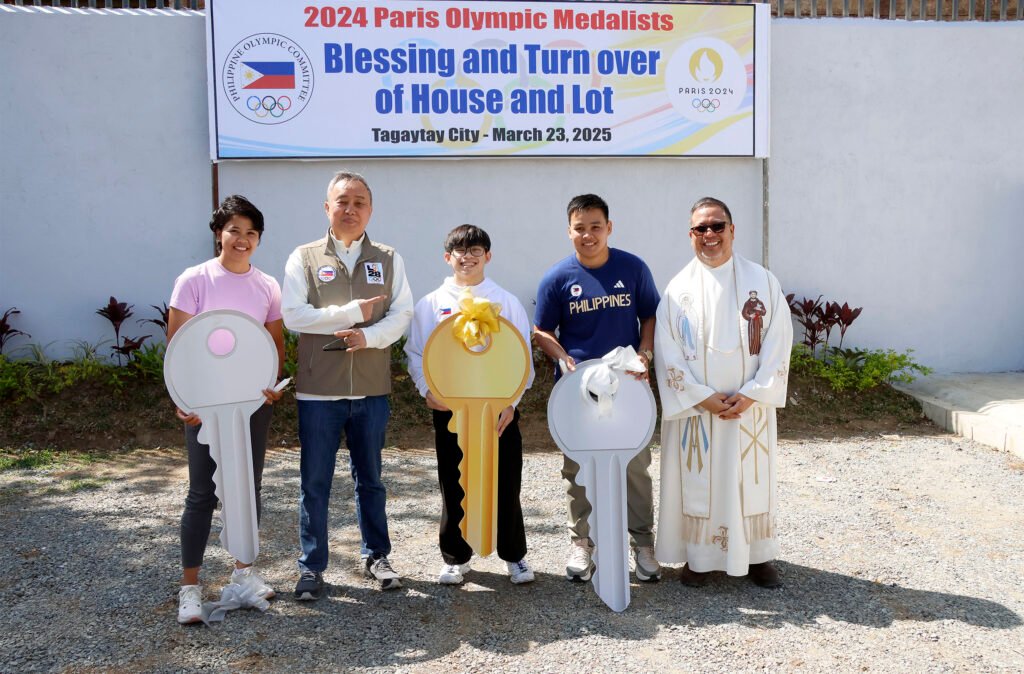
(706, 80)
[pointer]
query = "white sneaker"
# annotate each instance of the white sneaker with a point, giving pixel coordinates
(645, 564)
(580, 565)
(248, 578)
(451, 574)
(190, 604)
(520, 572)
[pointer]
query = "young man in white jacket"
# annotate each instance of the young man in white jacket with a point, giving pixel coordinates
(467, 251)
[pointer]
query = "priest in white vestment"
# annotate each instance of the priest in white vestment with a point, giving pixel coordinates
(722, 372)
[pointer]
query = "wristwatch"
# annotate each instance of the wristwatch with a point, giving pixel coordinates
(649, 355)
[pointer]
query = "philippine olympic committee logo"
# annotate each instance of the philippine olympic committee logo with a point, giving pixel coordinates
(706, 80)
(268, 78)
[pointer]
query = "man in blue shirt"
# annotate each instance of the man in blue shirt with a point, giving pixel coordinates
(589, 303)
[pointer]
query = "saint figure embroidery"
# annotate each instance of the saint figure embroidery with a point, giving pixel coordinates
(753, 310)
(686, 323)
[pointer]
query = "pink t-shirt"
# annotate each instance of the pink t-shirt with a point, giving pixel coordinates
(210, 286)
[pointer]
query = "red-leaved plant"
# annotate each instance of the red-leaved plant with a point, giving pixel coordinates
(818, 319)
(117, 313)
(129, 347)
(161, 322)
(6, 331)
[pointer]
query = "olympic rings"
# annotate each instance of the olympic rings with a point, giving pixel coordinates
(268, 105)
(706, 104)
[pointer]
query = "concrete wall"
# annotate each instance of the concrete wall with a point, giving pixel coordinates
(104, 166)
(888, 187)
(898, 182)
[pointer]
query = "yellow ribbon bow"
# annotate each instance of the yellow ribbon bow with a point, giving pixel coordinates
(478, 318)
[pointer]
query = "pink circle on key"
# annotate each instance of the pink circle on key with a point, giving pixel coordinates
(221, 342)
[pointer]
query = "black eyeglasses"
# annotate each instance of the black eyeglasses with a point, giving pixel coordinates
(475, 251)
(716, 227)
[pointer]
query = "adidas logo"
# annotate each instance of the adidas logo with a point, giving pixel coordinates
(619, 284)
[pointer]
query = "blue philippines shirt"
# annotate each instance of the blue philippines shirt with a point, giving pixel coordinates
(596, 310)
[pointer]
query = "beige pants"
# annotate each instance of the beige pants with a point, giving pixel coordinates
(639, 500)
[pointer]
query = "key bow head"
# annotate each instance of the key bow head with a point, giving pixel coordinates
(220, 357)
(580, 423)
(498, 370)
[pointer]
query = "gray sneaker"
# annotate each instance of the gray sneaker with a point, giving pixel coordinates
(379, 568)
(310, 586)
(647, 568)
(580, 565)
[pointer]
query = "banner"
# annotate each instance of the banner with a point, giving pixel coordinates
(291, 79)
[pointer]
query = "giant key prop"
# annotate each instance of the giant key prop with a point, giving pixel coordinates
(601, 417)
(216, 367)
(476, 383)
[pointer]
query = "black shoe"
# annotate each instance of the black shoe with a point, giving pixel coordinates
(310, 586)
(764, 575)
(691, 578)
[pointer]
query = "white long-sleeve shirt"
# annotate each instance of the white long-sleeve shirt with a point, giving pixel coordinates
(301, 316)
(428, 314)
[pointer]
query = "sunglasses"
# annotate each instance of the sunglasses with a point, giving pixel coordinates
(716, 227)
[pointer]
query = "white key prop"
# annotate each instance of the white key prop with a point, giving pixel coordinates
(216, 367)
(601, 417)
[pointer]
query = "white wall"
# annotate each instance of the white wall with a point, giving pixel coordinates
(898, 182)
(895, 182)
(521, 204)
(104, 169)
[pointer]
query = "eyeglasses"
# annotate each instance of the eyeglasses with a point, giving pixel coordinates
(716, 227)
(475, 251)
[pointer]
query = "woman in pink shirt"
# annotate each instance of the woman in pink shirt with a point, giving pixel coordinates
(228, 281)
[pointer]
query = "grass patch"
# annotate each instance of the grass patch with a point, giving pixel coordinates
(39, 459)
(30, 459)
(84, 484)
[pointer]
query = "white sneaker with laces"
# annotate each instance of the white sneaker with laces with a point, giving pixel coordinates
(248, 578)
(190, 604)
(520, 572)
(451, 574)
(580, 565)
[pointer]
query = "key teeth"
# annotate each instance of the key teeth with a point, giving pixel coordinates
(245, 546)
(604, 479)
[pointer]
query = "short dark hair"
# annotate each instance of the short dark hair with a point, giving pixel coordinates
(349, 176)
(466, 236)
(585, 202)
(234, 205)
(711, 201)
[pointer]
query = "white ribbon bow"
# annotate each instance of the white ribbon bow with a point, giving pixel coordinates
(232, 597)
(602, 381)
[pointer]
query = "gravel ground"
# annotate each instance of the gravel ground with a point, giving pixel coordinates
(899, 554)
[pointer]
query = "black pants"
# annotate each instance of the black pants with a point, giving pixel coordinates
(511, 530)
(201, 499)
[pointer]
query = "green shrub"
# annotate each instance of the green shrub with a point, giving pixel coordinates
(857, 369)
(148, 361)
(291, 352)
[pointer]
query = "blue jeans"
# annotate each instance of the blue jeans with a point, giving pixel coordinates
(321, 425)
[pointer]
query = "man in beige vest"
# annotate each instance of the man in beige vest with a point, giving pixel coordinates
(348, 299)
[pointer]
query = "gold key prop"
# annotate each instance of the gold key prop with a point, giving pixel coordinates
(476, 383)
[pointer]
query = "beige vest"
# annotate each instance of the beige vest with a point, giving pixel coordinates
(366, 372)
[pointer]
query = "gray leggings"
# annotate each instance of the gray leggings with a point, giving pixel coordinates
(201, 499)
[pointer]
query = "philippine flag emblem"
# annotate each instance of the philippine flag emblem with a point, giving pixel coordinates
(326, 274)
(446, 311)
(269, 74)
